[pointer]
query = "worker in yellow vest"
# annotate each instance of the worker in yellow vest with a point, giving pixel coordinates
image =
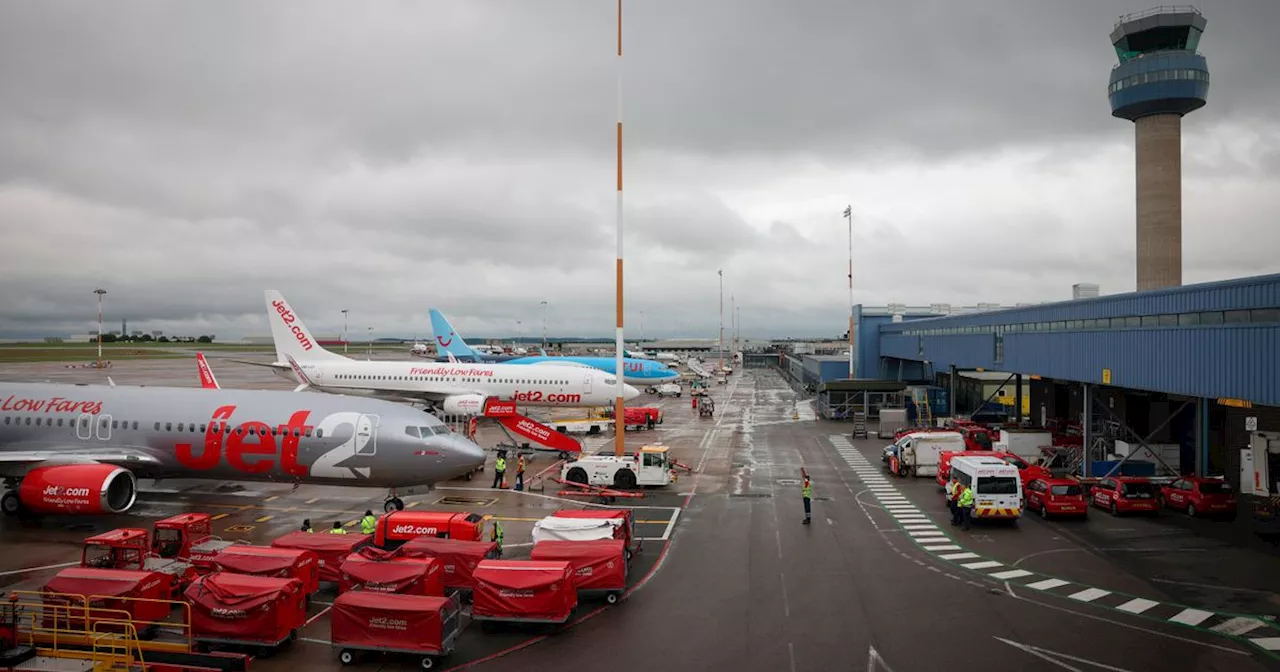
(499, 471)
(369, 523)
(951, 497)
(337, 528)
(306, 526)
(966, 507)
(806, 490)
(495, 535)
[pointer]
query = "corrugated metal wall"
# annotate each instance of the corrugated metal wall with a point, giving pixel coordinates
(1239, 361)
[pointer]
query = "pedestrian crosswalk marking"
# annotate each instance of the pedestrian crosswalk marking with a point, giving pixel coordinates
(1047, 584)
(1137, 605)
(1089, 594)
(1011, 574)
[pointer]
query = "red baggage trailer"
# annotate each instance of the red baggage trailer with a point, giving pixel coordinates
(599, 566)
(523, 591)
(391, 573)
(458, 559)
(397, 527)
(285, 563)
(417, 625)
(242, 610)
(625, 531)
(331, 549)
(106, 593)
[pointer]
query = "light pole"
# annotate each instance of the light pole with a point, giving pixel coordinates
(642, 329)
(100, 292)
(345, 338)
(848, 213)
(721, 274)
(370, 345)
(619, 415)
(544, 326)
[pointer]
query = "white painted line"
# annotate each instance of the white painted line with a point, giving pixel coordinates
(959, 556)
(675, 515)
(1268, 643)
(936, 549)
(905, 517)
(1047, 584)
(1137, 605)
(38, 569)
(920, 526)
(1238, 626)
(1011, 574)
(898, 508)
(313, 641)
(1089, 594)
(1190, 616)
(985, 564)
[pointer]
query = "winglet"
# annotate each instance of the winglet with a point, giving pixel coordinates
(452, 359)
(207, 381)
(542, 351)
(303, 380)
(110, 382)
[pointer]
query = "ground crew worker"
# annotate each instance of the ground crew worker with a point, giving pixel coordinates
(966, 507)
(337, 528)
(520, 472)
(306, 526)
(955, 502)
(951, 497)
(806, 491)
(499, 470)
(369, 523)
(495, 535)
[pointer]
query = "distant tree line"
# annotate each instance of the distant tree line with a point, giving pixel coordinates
(148, 338)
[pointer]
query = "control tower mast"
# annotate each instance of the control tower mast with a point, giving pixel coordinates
(1159, 79)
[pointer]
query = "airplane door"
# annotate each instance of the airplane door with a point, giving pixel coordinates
(586, 384)
(104, 427)
(84, 427)
(367, 435)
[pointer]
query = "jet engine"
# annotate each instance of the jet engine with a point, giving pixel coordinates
(78, 489)
(463, 404)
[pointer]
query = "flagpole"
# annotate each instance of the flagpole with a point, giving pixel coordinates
(619, 413)
(848, 213)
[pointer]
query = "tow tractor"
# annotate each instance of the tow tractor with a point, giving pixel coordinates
(127, 548)
(650, 467)
(189, 537)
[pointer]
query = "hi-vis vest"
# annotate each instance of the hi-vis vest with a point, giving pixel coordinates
(807, 490)
(520, 464)
(368, 524)
(500, 464)
(951, 489)
(337, 530)
(966, 497)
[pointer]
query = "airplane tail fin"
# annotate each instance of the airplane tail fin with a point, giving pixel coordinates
(207, 380)
(447, 340)
(291, 335)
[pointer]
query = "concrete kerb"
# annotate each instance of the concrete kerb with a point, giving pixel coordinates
(944, 547)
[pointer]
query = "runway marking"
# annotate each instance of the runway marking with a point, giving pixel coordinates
(313, 500)
(317, 616)
(1238, 626)
(1089, 594)
(786, 606)
(1011, 574)
(1047, 584)
(984, 564)
(263, 519)
(272, 498)
(1054, 656)
(1191, 616)
(220, 516)
(39, 569)
(959, 556)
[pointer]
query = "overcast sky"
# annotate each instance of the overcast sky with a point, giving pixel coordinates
(395, 155)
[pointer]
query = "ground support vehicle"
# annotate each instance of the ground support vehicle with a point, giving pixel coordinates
(602, 493)
(1026, 471)
(523, 591)
(256, 612)
(331, 549)
(642, 417)
(624, 529)
(649, 467)
(706, 407)
(388, 572)
(997, 489)
(91, 595)
(174, 537)
(129, 548)
(386, 623)
(918, 452)
(458, 559)
(1125, 494)
(397, 527)
(599, 567)
(283, 563)
(1056, 497)
(667, 390)
(1197, 495)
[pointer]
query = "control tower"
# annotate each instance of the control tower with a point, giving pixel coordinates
(1160, 78)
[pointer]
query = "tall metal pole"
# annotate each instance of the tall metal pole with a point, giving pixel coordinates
(733, 327)
(345, 337)
(100, 292)
(721, 274)
(848, 213)
(619, 414)
(370, 345)
(544, 326)
(642, 328)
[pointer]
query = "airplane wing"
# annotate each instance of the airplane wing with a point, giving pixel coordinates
(15, 462)
(270, 365)
(207, 380)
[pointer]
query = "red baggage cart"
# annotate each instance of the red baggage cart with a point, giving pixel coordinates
(523, 591)
(417, 625)
(397, 527)
(599, 566)
(106, 593)
(242, 610)
(391, 573)
(270, 561)
(458, 559)
(331, 549)
(624, 531)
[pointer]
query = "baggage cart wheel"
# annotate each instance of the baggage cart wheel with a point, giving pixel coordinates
(426, 663)
(347, 657)
(611, 598)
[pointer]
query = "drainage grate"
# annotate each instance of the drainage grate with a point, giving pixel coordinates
(757, 495)
(467, 501)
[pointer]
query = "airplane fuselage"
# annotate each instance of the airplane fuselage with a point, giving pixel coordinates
(635, 371)
(242, 435)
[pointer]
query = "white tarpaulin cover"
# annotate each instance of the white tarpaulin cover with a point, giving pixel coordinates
(574, 529)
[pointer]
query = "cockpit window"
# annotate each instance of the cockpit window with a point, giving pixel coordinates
(413, 431)
(610, 381)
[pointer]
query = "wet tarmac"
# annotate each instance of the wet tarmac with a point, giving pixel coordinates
(730, 578)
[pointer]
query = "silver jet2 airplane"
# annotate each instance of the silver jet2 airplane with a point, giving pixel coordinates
(79, 449)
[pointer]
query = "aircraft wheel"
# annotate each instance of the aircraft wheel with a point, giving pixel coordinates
(10, 504)
(393, 504)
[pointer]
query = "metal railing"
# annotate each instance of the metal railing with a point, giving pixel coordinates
(1160, 9)
(56, 622)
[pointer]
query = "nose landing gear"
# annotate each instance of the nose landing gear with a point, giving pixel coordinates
(393, 503)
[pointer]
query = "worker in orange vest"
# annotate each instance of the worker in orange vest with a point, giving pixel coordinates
(520, 472)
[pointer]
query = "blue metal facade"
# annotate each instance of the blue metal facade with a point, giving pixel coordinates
(1172, 82)
(1219, 339)
(869, 364)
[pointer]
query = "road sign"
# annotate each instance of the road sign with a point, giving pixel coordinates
(1106, 376)
(1251, 423)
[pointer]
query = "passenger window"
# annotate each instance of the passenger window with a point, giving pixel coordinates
(113, 424)
(6, 421)
(37, 422)
(202, 428)
(135, 425)
(28, 422)
(179, 426)
(168, 426)
(157, 426)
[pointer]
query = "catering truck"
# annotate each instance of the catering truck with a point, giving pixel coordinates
(918, 452)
